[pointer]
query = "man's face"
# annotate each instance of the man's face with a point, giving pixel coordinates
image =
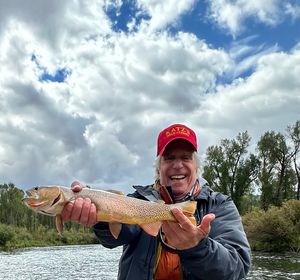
(178, 168)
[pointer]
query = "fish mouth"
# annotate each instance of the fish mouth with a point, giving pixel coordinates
(34, 204)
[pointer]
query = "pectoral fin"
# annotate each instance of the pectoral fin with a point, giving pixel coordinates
(152, 229)
(115, 229)
(59, 224)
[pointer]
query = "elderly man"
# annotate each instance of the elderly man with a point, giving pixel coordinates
(215, 248)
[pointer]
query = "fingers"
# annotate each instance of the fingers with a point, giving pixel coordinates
(92, 216)
(76, 186)
(77, 208)
(89, 213)
(86, 208)
(66, 212)
(82, 211)
(182, 220)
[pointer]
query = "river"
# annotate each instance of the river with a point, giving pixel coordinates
(96, 262)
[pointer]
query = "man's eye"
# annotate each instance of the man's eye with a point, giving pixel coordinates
(187, 158)
(168, 158)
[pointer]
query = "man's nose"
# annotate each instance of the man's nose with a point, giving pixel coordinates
(177, 163)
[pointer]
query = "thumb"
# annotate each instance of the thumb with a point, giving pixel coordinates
(205, 223)
(76, 186)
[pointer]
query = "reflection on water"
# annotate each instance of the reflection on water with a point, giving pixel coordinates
(97, 262)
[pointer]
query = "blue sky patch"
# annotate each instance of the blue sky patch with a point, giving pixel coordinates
(59, 76)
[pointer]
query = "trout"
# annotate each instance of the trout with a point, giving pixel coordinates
(112, 207)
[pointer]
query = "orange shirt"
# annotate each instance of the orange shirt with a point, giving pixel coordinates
(168, 266)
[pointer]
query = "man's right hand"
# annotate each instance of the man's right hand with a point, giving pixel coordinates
(80, 210)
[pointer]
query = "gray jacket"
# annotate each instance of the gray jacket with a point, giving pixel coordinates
(223, 255)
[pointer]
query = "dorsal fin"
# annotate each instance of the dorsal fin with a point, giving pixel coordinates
(115, 191)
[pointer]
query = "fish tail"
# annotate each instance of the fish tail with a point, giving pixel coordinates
(187, 207)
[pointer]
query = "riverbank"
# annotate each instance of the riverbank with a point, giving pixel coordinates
(12, 238)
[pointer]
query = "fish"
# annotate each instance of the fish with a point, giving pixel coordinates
(112, 207)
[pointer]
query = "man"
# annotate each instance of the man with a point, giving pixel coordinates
(215, 248)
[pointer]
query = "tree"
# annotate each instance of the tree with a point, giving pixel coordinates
(276, 175)
(294, 136)
(229, 169)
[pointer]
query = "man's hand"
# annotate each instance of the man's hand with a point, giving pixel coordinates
(183, 234)
(81, 210)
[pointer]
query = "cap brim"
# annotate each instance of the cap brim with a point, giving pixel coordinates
(176, 138)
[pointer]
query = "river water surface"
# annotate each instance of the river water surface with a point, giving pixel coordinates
(96, 262)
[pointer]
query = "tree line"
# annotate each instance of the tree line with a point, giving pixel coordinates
(266, 177)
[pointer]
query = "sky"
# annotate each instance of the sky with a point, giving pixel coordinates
(87, 85)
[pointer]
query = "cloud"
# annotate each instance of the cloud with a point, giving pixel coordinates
(292, 10)
(232, 15)
(99, 123)
(170, 9)
(269, 99)
(246, 54)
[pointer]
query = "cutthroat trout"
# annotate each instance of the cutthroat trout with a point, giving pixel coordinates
(111, 207)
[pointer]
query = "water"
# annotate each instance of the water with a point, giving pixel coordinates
(96, 262)
(63, 262)
(268, 266)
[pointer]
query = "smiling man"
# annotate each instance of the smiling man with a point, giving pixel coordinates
(214, 247)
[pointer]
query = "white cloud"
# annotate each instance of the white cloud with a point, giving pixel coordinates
(292, 10)
(164, 12)
(267, 100)
(100, 124)
(231, 15)
(246, 55)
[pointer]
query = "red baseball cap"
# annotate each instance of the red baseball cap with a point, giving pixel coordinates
(175, 131)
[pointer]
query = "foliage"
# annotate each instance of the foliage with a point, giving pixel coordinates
(6, 234)
(277, 178)
(19, 237)
(294, 137)
(277, 229)
(228, 168)
(273, 170)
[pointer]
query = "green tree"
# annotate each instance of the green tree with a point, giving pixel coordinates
(276, 176)
(294, 136)
(229, 169)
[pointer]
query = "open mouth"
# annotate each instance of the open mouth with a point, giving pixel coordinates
(177, 177)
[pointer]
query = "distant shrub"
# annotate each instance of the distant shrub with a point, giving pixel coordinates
(277, 229)
(6, 234)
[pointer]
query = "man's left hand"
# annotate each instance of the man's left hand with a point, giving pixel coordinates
(183, 234)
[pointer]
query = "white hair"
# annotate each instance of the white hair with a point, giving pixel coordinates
(158, 161)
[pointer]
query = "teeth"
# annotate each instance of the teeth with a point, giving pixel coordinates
(177, 177)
